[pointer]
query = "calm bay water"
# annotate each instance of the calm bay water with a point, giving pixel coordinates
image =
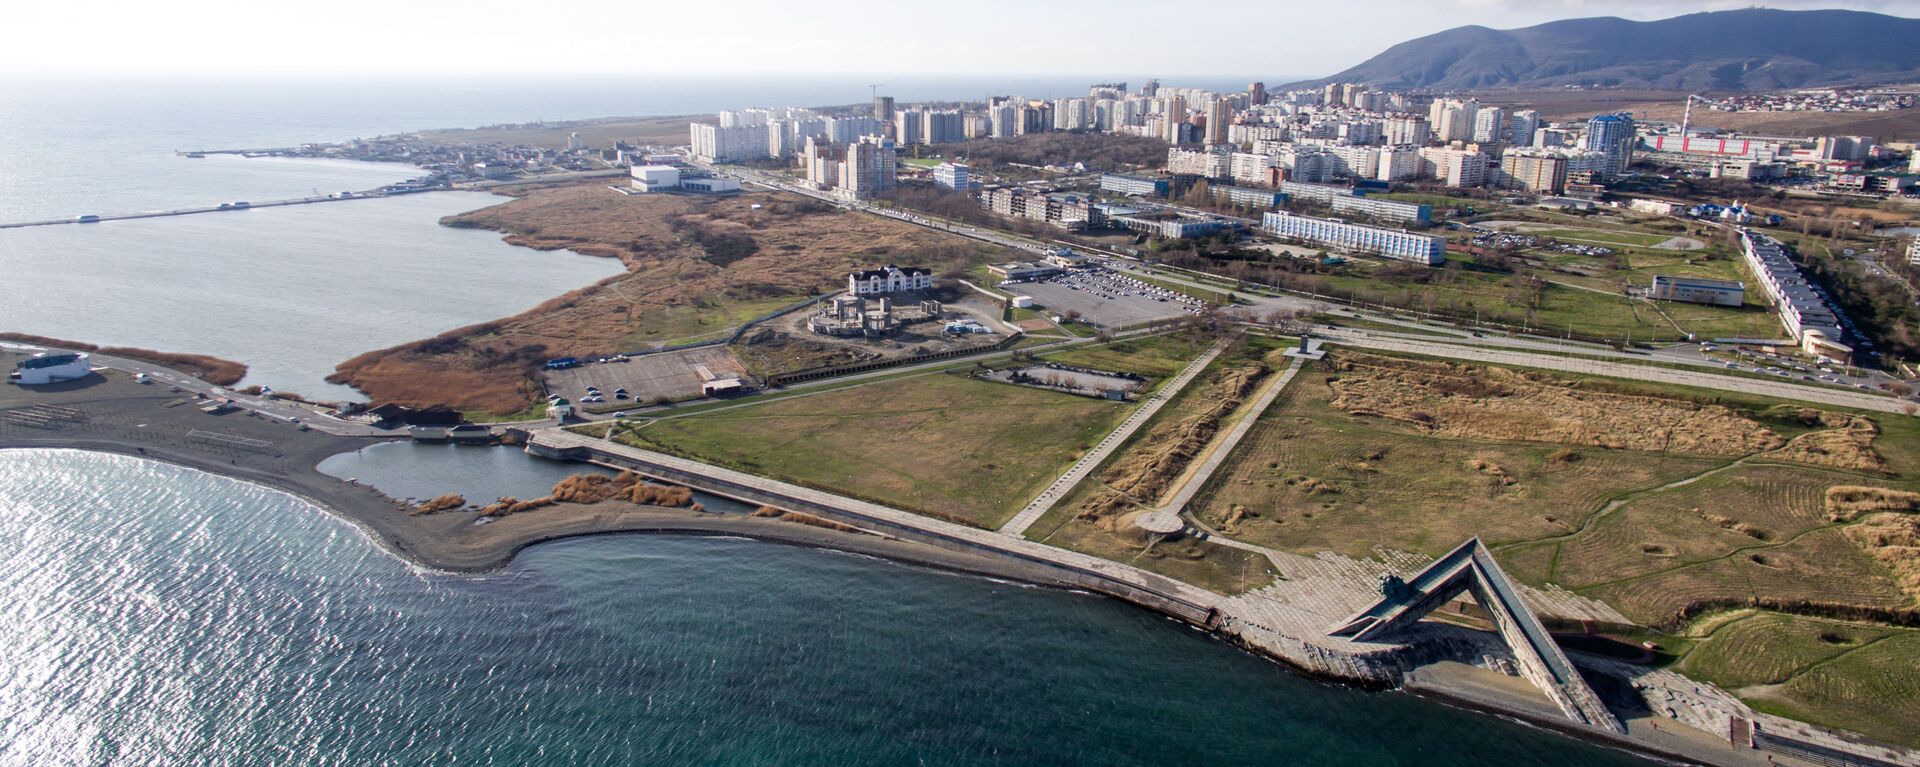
(290, 291)
(422, 470)
(156, 615)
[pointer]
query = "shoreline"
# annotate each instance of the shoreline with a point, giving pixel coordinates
(448, 542)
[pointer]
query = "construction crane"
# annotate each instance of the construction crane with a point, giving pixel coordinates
(874, 90)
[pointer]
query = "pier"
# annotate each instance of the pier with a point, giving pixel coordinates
(220, 208)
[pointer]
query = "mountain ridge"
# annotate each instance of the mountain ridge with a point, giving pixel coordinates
(1741, 50)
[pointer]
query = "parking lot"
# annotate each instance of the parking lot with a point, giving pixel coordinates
(1105, 299)
(673, 375)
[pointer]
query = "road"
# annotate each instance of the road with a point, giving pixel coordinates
(312, 416)
(1265, 300)
(1701, 379)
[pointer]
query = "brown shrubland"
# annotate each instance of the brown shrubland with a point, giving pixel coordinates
(1894, 540)
(441, 503)
(1479, 402)
(1848, 447)
(684, 255)
(625, 486)
(1846, 503)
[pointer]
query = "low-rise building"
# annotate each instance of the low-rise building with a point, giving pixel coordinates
(1697, 290)
(1803, 307)
(51, 367)
(1173, 224)
(889, 279)
(654, 178)
(1407, 213)
(1320, 193)
(1396, 244)
(1653, 207)
(952, 175)
(1023, 271)
(1135, 186)
(709, 184)
(1248, 196)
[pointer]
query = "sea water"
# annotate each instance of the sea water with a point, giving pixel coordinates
(156, 615)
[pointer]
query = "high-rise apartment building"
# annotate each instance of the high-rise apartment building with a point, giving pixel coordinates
(823, 159)
(713, 143)
(869, 167)
(909, 126)
(1489, 125)
(1257, 94)
(1453, 120)
(1520, 127)
(1219, 116)
(1406, 130)
(1536, 171)
(1004, 120)
(942, 127)
(883, 108)
(1612, 135)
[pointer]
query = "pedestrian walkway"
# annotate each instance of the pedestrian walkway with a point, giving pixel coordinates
(1041, 504)
(1223, 447)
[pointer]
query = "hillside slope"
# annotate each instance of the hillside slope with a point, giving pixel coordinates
(1752, 49)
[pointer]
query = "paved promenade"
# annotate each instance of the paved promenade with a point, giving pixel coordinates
(1017, 526)
(1174, 597)
(1223, 448)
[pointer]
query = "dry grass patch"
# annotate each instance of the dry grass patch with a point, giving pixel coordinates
(1145, 471)
(1848, 502)
(1850, 446)
(446, 502)
(1490, 403)
(625, 486)
(1315, 478)
(696, 266)
(1894, 540)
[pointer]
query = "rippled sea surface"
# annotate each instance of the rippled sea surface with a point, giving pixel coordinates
(155, 615)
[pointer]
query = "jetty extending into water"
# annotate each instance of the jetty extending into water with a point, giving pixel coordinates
(225, 207)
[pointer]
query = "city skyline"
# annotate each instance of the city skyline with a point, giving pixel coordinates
(438, 38)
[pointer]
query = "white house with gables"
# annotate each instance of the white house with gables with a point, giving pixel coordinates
(889, 279)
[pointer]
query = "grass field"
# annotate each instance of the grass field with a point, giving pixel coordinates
(952, 447)
(1491, 297)
(1833, 673)
(1157, 356)
(1649, 532)
(1318, 479)
(715, 317)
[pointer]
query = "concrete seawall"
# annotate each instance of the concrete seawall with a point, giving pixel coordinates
(1368, 664)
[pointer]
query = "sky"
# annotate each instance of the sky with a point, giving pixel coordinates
(1272, 39)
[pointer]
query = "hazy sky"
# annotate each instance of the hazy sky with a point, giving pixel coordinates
(1267, 38)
